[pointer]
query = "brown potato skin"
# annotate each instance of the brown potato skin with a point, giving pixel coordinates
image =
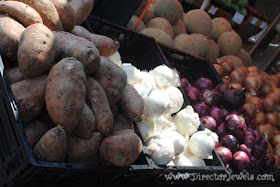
(47, 12)
(29, 96)
(121, 148)
(106, 46)
(36, 51)
(84, 151)
(14, 75)
(52, 146)
(122, 123)
(65, 93)
(82, 9)
(10, 32)
(22, 12)
(77, 47)
(65, 12)
(86, 124)
(112, 78)
(132, 104)
(97, 101)
(35, 130)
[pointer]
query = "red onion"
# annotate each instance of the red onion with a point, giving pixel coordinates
(225, 154)
(241, 160)
(249, 140)
(250, 123)
(258, 136)
(217, 114)
(258, 151)
(209, 122)
(207, 96)
(184, 83)
(236, 125)
(221, 130)
(202, 83)
(269, 160)
(193, 93)
(230, 142)
(264, 144)
(254, 162)
(201, 108)
(225, 112)
(233, 98)
(221, 87)
(245, 148)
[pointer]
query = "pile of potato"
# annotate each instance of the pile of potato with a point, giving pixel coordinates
(194, 31)
(74, 103)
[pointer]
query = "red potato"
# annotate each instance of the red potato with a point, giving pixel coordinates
(122, 123)
(132, 104)
(69, 45)
(65, 93)
(29, 96)
(112, 78)
(36, 51)
(52, 146)
(35, 130)
(104, 44)
(97, 101)
(82, 9)
(10, 32)
(22, 12)
(47, 12)
(14, 75)
(86, 124)
(84, 151)
(65, 12)
(121, 148)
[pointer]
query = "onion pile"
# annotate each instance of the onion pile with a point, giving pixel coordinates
(261, 109)
(226, 110)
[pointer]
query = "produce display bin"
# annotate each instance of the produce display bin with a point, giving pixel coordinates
(145, 58)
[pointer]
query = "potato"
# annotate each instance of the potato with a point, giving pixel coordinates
(51, 147)
(14, 75)
(47, 12)
(86, 124)
(29, 96)
(84, 151)
(112, 78)
(22, 12)
(34, 131)
(65, 12)
(98, 103)
(10, 31)
(77, 47)
(82, 9)
(132, 104)
(122, 123)
(121, 148)
(104, 44)
(36, 50)
(65, 93)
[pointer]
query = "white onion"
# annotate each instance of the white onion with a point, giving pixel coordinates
(163, 123)
(178, 140)
(147, 129)
(201, 144)
(182, 160)
(187, 121)
(196, 161)
(116, 58)
(139, 88)
(156, 102)
(160, 149)
(176, 99)
(146, 79)
(164, 76)
(133, 74)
